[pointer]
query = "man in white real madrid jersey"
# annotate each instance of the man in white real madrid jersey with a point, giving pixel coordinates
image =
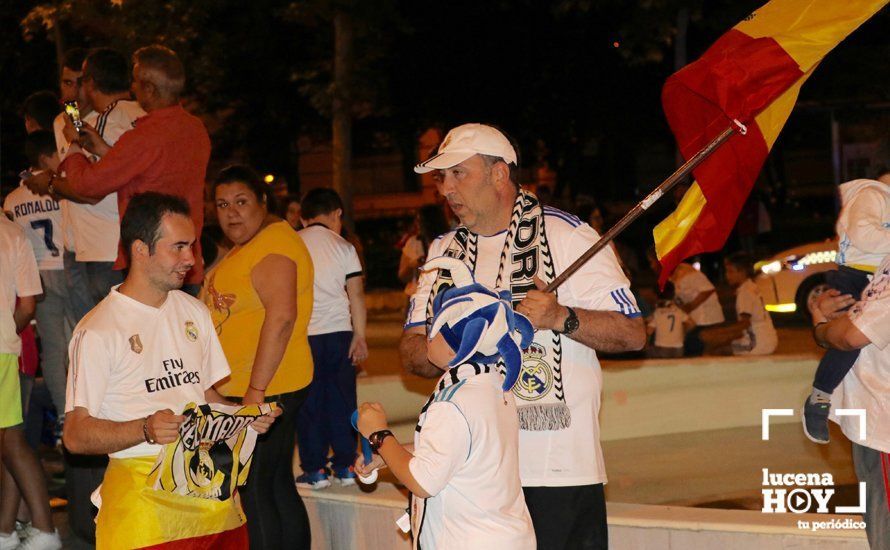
(512, 242)
(138, 358)
(95, 224)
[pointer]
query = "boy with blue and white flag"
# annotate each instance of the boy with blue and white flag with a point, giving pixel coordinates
(463, 470)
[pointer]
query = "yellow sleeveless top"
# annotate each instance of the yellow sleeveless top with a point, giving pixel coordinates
(238, 313)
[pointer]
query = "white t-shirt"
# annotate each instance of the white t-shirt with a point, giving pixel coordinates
(867, 385)
(334, 260)
(18, 277)
(688, 284)
(129, 360)
(40, 217)
(466, 457)
(668, 324)
(761, 337)
(96, 227)
(863, 226)
(573, 456)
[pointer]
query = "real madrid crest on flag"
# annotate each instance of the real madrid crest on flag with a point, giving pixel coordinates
(212, 455)
(191, 331)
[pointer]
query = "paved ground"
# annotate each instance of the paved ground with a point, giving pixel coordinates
(720, 468)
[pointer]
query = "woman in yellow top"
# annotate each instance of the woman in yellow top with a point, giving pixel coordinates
(260, 298)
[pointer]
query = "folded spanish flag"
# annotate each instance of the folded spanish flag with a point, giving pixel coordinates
(751, 75)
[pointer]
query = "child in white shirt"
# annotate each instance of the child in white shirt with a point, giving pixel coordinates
(758, 333)
(667, 326)
(463, 470)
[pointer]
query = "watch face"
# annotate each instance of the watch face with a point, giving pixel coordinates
(572, 323)
(376, 439)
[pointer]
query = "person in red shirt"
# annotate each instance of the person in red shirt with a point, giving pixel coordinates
(166, 152)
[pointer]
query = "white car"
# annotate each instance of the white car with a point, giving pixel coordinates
(793, 277)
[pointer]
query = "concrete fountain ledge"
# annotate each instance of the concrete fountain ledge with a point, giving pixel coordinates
(349, 518)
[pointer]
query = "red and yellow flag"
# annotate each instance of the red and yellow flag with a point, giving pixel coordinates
(752, 75)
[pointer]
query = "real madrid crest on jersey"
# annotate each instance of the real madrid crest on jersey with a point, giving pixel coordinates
(135, 344)
(535, 378)
(191, 331)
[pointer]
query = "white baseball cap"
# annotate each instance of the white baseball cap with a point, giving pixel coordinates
(465, 141)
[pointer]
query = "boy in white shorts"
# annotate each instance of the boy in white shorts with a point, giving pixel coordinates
(463, 470)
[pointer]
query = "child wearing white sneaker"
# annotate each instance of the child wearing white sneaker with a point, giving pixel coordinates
(463, 470)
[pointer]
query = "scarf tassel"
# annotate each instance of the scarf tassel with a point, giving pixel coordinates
(538, 418)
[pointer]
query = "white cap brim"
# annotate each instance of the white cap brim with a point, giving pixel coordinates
(443, 161)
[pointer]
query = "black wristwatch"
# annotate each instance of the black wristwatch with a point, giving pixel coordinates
(572, 323)
(376, 438)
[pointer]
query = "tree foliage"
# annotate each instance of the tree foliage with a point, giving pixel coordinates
(577, 82)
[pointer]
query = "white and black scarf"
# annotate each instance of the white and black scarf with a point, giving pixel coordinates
(526, 253)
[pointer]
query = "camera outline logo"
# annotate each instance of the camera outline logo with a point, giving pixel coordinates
(795, 492)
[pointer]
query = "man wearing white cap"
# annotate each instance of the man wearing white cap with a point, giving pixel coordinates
(512, 242)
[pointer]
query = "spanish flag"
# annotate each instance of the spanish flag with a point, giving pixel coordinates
(749, 78)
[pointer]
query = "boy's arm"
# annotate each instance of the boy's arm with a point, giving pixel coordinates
(442, 448)
(24, 312)
(735, 328)
(26, 279)
(372, 418)
(398, 458)
(690, 306)
(355, 290)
